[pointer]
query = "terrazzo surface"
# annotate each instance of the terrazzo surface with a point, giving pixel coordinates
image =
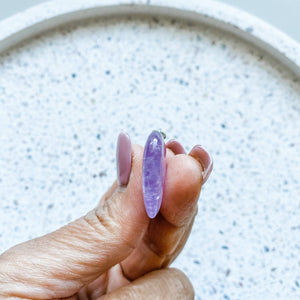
(66, 94)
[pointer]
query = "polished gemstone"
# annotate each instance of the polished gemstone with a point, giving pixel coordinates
(154, 171)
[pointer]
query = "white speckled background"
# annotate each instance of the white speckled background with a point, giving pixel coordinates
(66, 94)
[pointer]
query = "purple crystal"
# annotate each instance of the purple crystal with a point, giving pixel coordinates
(154, 171)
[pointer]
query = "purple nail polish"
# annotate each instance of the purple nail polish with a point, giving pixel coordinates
(175, 146)
(204, 158)
(123, 158)
(154, 171)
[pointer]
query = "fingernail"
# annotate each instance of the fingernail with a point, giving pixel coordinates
(175, 146)
(123, 158)
(204, 158)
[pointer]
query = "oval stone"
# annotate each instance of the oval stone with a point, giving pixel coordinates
(154, 171)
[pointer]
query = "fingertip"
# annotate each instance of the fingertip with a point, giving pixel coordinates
(134, 188)
(182, 189)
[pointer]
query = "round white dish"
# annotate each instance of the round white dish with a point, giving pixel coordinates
(204, 73)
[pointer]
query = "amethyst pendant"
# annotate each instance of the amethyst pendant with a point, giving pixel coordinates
(154, 171)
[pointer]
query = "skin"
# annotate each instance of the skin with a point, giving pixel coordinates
(115, 251)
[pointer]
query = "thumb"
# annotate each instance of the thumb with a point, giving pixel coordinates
(166, 284)
(78, 253)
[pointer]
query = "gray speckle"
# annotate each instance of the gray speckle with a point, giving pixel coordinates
(50, 206)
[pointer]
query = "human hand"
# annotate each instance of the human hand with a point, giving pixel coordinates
(115, 251)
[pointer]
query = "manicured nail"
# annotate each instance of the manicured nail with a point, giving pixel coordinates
(204, 158)
(154, 172)
(123, 158)
(175, 146)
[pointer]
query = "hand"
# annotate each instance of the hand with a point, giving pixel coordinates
(114, 250)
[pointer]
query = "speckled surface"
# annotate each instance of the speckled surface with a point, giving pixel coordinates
(65, 96)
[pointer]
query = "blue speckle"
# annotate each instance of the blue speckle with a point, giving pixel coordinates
(182, 82)
(28, 150)
(74, 75)
(273, 269)
(0, 180)
(266, 248)
(107, 72)
(223, 126)
(224, 247)
(29, 157)
(249, 29)
(26, 187)
(98, 136)
(109, 38)
(197, 262)
(297, 284)
(50, 206)
(226, 297)
(75, 136)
